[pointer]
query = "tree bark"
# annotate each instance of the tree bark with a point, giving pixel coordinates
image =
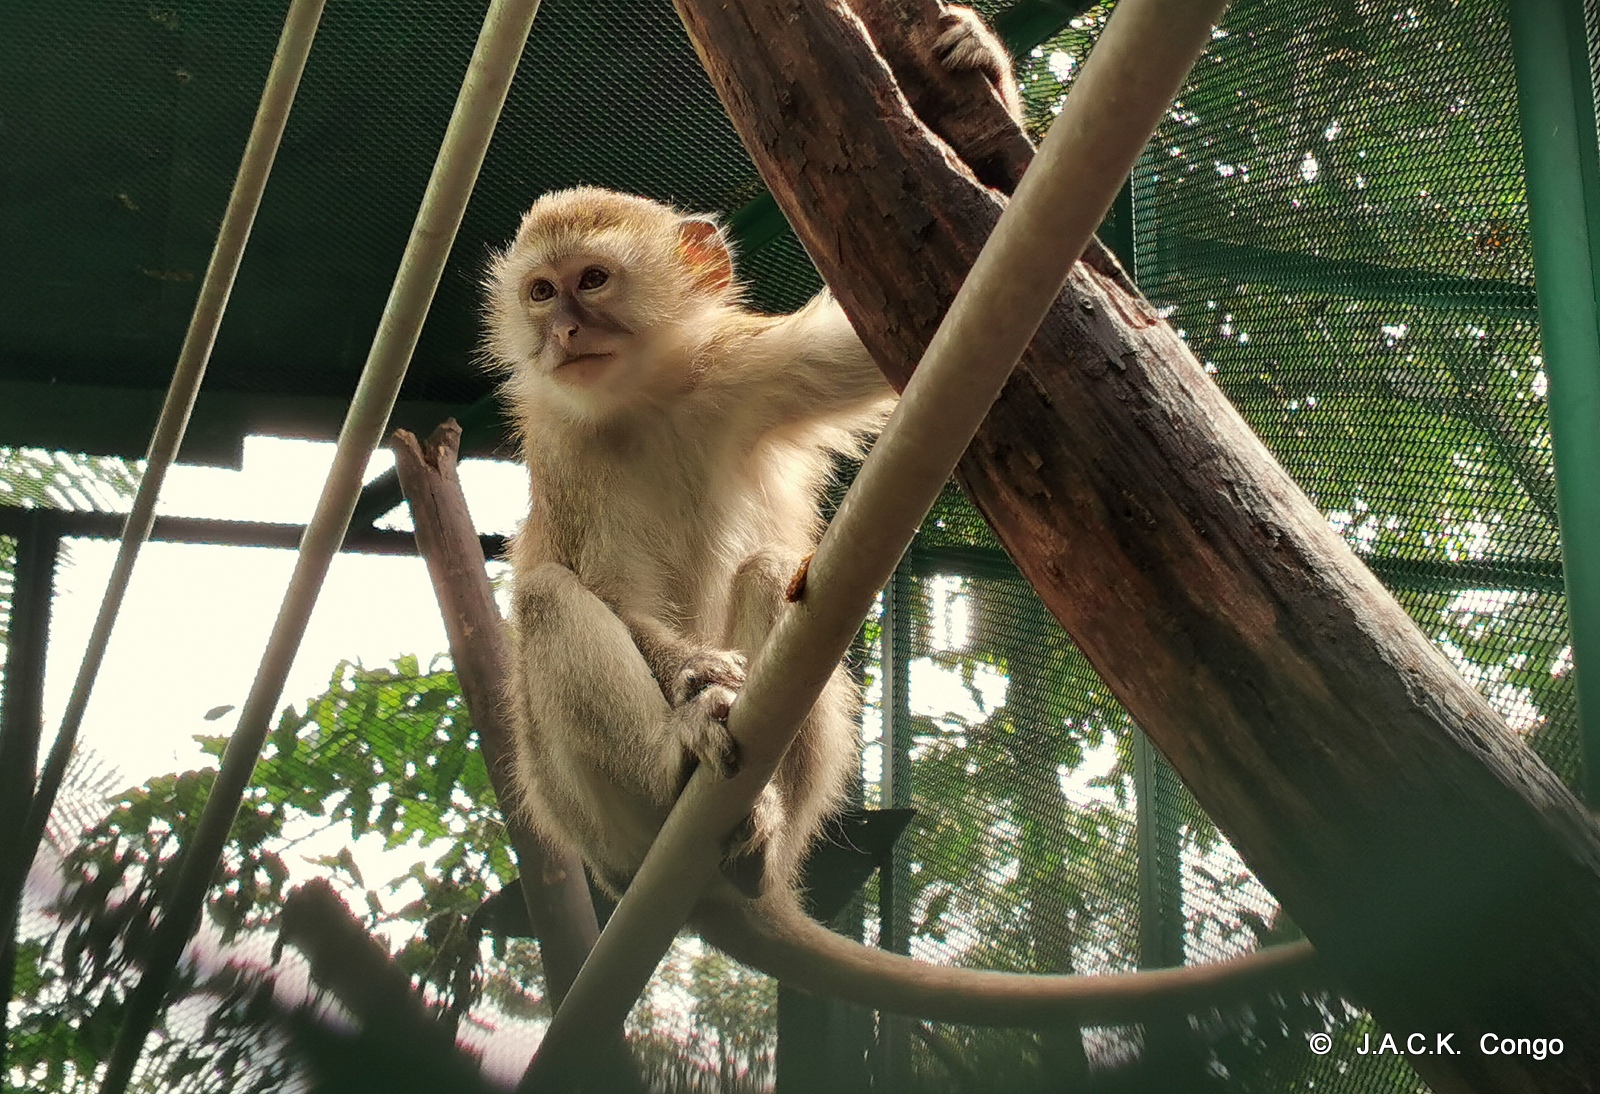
(1445, 873)
(552, 882)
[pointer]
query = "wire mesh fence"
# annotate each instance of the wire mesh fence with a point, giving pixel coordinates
(1333, 214)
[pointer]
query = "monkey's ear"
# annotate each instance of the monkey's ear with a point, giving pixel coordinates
(706, 253)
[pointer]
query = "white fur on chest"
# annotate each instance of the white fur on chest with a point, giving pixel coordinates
(668, 526)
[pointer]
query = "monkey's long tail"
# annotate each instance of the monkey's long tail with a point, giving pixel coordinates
(782, 941)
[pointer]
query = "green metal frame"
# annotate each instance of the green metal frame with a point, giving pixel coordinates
(1556, 106)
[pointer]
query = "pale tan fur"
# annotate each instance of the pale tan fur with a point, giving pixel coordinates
(668, 511)
(967, 43)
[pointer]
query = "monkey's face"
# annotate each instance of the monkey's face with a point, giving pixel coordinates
(596, 303)
(577, 310)
(569, 327)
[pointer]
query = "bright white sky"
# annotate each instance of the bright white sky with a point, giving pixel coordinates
(197, 618)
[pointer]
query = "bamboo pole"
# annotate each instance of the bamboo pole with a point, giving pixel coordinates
(277, 96)
(1137, 66)
(466, 140)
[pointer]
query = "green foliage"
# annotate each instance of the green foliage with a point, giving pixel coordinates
(726, 1044)
(383, 751)
(381, 762)
(32, 477)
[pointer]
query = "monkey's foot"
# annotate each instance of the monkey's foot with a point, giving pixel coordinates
(967, 44)
(705, 670)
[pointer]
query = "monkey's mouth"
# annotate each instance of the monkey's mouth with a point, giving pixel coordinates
(583, 368)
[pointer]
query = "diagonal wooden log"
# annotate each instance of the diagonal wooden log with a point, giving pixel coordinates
(1445, 873)
(351, 964)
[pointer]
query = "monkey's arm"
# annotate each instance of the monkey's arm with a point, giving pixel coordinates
(809, 367)
(593, 701)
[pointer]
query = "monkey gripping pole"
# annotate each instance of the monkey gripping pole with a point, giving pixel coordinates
(272, 114)
(466, 140)
(1137, 66)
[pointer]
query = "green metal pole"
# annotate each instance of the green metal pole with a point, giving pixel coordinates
(1556, 104)
(891, 1063)
(466, 141)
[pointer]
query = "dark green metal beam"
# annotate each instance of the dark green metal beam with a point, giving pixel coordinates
(21, 725)
(1412, 575)
(1299, 272)
(65, 524)
(1556, 104)
(1031, 23)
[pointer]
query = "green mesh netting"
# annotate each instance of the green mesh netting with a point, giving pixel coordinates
(1333, 214)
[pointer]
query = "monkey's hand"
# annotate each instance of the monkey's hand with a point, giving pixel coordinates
(702, 694)
(967, 43)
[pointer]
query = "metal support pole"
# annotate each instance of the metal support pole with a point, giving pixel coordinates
(283, 79)
(21, 720)
(1141, 59)
(1160, 879)
(22, 701)
(1556, 103)
(466, 140)
(892, 1053)
(894, 920)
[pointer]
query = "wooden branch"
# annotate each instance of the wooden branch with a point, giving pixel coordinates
(1447, 875)
(986, 139)
(351, 965)
(552, 882)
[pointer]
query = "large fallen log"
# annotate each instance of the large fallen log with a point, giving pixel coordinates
(1444, 872)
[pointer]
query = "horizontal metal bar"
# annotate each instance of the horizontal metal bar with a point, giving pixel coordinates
(220, 533)
(1192, 257)
(1030, 23)
(1415, 575)
(987, 563)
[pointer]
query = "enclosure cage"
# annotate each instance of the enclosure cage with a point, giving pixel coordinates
(1335, 214)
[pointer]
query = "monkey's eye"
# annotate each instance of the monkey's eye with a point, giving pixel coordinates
(593, 278)
(541, 290)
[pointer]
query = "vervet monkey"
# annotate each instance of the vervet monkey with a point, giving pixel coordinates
(677, 445)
